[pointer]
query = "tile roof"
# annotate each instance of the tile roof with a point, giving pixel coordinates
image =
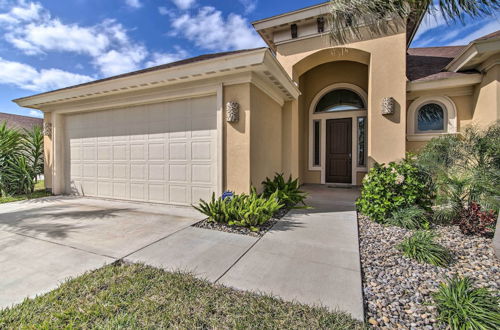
(424, 64)
(489, 36)
(16, 121)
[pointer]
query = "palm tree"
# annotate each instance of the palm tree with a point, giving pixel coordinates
(347, 16)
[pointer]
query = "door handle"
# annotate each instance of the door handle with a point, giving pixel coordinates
(350, 156)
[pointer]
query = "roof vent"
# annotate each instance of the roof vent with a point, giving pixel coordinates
(321, 24)
(295, 31)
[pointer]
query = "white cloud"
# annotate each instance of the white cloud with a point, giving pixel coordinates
(476, 33)
(184, 4)
(232, 32)
(164, 58)
(27, 77)
(133, 4)
(164, 11)
(36, 113)
(249, 5)
(34, 31)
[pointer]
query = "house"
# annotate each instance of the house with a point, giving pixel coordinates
(20, 122)
(304, 106)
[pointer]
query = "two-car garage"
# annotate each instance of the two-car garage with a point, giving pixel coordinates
(162, 153)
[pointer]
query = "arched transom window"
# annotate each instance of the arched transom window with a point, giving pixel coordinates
(340, 100)
(431, 118)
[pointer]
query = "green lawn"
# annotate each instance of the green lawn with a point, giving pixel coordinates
(137, 296)
(39, 192)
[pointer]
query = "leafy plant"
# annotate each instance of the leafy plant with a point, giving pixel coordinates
(466, 170)
(412, 218)
(461, 306)
(421, 247)
(349, 18)
(473, 221)
(388, 188)
(242, 210)
(21, 159)
(289, 192)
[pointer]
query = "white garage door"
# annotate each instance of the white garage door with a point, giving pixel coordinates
(162, 153)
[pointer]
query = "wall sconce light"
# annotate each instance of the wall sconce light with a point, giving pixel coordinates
(321, 24)
(388, 105)
(47, 129)
(232, 112)
(295, 31)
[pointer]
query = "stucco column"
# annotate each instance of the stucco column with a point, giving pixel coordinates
(387, 133)
(58, 180)
(237, 141)
(47, 150)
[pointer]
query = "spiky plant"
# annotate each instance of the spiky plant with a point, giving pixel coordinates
(411, 218)
(422, 247)
(461, 306)
(348, 18)
(289, 192)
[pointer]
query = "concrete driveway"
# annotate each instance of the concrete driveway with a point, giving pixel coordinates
(45, 241)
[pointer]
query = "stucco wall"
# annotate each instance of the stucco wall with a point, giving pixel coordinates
(386, 57)
(487, 98)
(311, 83)
(265, 137)
(47, 149)
(237, 141)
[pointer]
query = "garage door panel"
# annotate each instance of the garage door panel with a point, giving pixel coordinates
(162, 153)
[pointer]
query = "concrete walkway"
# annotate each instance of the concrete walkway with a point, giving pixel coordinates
(310, 256)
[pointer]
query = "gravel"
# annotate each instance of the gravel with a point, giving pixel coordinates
(397, 290)
(242, 230)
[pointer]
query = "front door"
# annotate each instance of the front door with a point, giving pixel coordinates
(339, 150)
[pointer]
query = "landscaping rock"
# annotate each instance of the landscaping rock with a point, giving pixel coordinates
(398, 290)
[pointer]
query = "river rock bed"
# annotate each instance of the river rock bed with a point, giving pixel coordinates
(397, 290)
(243, 230)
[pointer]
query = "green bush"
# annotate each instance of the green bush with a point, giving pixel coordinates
(289, 192)
(412, 218)
(21, 160)
(461, 306)
(243, 210)
(388, 188)
(466, 170)
(421, 247)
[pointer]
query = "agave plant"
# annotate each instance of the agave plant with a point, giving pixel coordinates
(288, 191)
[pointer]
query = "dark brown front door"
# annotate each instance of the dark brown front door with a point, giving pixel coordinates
(339, 150)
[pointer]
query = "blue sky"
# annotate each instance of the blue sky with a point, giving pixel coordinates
(50, 44)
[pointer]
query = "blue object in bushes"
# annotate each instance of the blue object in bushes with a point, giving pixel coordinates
(227, 194)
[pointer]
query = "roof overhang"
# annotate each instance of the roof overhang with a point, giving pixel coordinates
(261, 63)
(474, 54)
(465, 80)
(266, 27)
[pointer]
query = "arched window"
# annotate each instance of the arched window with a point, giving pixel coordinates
(431, 118)
(340, 100)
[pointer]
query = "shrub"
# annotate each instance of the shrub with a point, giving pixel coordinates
(412, 218)
(395, 186)
(466, 170)
(461, 306)
(473, 221)
(21, 160)
(289, 193)
(421, 247)
(243, 210)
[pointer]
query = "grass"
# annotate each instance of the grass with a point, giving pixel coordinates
(39, 193)
(410, 218)
(137, 296)
(461, 306)
(421, 247)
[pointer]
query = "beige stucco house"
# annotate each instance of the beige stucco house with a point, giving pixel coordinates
(307, 107)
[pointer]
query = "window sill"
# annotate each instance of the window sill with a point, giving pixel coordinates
(425, 137)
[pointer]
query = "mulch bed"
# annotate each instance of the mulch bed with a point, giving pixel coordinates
(242, 230)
